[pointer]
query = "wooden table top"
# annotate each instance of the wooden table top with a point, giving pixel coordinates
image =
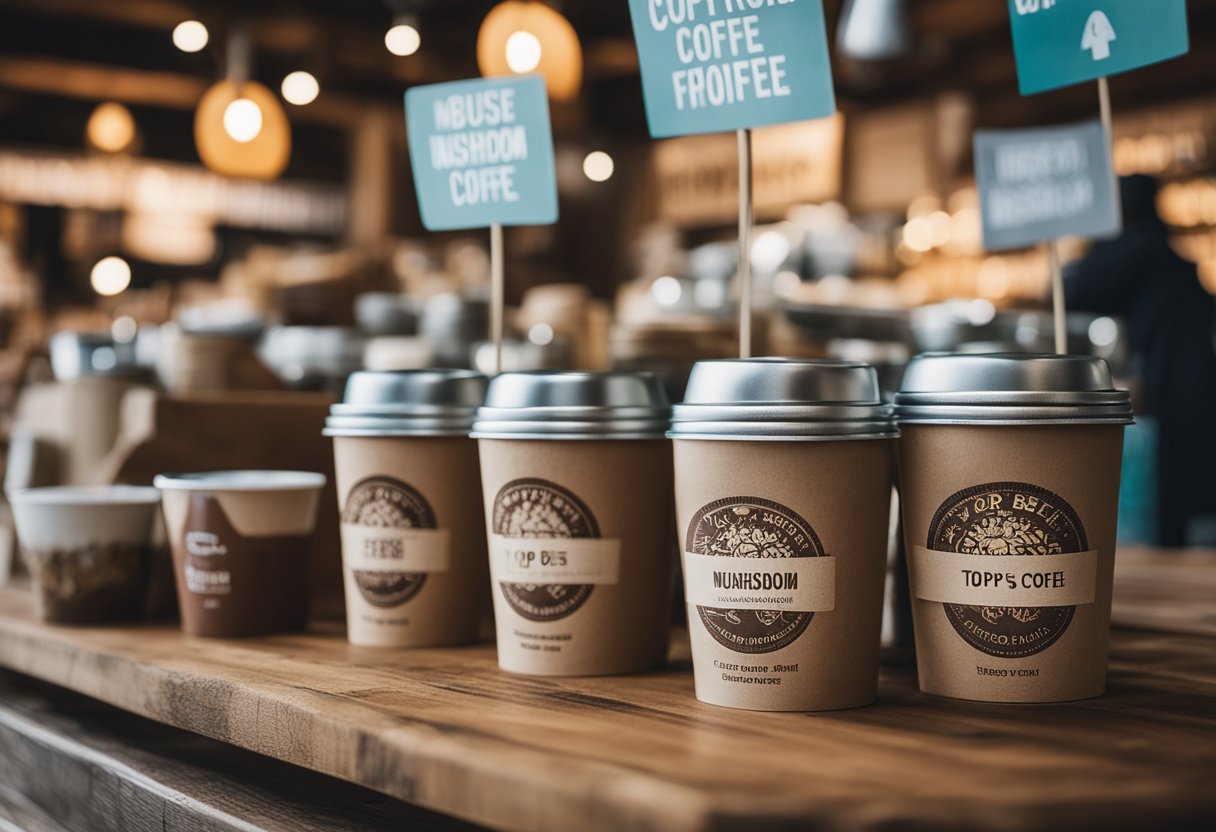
(447, 730)
(1172, 590)
(117, 772)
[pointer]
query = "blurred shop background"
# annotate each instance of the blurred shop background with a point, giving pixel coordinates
(180, 280)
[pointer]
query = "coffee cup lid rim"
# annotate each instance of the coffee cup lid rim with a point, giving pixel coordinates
(785, 399)
(435, 425)
(566, 405)
(85, 495)
(1010, 389)
(241, 480)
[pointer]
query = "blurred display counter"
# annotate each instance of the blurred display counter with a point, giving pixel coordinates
(99, 430)
(447, 731)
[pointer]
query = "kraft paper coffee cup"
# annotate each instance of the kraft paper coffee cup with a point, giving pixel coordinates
(1009, 467)
(577, 483)
(409, 495)
(242, 543)
(783, 489)
(89, 549)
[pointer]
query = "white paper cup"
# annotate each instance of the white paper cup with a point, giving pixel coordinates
(87, 548)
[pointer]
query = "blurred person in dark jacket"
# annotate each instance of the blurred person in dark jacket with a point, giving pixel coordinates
(1170, 321)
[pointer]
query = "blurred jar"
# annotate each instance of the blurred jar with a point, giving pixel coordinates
(398, 352)
(670, 348)
(387, 313)
(574, 317)
(453, 324)
(193, 363)
(313, 357)
(523, 356)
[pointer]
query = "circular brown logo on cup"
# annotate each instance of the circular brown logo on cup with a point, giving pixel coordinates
(1007, 518)
(385, 502)
(751, 527)
(539, 508)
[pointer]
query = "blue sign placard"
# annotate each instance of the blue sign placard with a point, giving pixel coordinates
(710, 66)
(1064, 42)
(1045, 183)
(482, 153)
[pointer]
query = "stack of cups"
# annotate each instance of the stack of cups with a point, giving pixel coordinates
(413, 546)
(1010, 481)
(577, 477)
(783, 491)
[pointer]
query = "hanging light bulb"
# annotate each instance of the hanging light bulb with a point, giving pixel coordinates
(403, 39)
(519, 36)
(242, 120)
(190, 36)
(110, 276)
(523, 52)
(300, 88)
(111, 128)
(598, 166)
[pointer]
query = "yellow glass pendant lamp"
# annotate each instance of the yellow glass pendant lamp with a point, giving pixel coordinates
(523, 36)
(241, 130)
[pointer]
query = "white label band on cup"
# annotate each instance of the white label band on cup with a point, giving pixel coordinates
(1003, 580)
(554, 560)
(795, 584)
(388, 549)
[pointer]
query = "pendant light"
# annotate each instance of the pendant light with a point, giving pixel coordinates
(524, 36)
(111, 128)
(874, 30)
(240, 129)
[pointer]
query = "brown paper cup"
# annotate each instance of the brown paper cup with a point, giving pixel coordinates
(241, 550)
(763, 503)
(413, 540)
(580, 566)
(1010, 628)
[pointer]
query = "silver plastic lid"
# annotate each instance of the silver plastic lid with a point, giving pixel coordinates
(782, 399)
(1010, 389)
(408, 403)
(546, 405)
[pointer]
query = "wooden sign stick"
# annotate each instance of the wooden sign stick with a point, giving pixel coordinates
(1108, 127)
(1104, 103)
(746, 221)
(497, 293)
(1059, 314)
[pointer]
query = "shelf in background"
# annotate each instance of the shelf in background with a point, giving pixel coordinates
(446, 730)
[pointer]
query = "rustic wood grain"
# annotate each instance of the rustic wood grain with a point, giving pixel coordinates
(18, 814)
(71, 763)
(1169, 590)
(447, 730)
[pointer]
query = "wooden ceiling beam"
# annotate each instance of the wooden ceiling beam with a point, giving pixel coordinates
(95, 82)
(157, 14)
(959, 18)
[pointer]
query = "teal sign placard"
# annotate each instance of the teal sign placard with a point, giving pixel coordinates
(482, 153)
(1044, 183)
(710, 66)
(1063, 42)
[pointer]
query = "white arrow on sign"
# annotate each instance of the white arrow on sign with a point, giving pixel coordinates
(1098, 35)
